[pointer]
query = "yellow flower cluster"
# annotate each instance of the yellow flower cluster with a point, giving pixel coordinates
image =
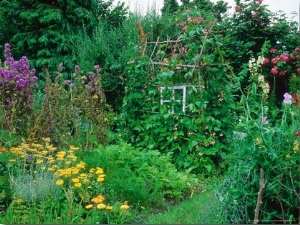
(66, 168)
(98, 202)
(63, 164)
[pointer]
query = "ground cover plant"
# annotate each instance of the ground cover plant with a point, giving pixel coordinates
(188, 116)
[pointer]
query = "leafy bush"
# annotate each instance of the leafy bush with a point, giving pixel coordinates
(146, 178)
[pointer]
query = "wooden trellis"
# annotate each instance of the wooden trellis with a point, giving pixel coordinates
(193, 76)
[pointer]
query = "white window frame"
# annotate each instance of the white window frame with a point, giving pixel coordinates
(174, 88)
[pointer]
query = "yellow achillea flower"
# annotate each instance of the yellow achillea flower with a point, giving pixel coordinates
(100, 179)
(80, 165)
(59, 182)
(98, 199)
(287, 156)
(77, 185)
(74, 171)
(47, 139)
(124, 207)
(109, 208)
(101, 206)
(73, 148)
(61, 154)
(83, 175)
(38, 161)
(89, 206)
(75, 180)
(99, 170)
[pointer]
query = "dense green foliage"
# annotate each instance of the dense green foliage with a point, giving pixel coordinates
(46, 31)
(195, 137)
(155, 103)
(263, 144)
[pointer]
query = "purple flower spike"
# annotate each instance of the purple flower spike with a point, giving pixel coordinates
(287, 98)
(91, 76)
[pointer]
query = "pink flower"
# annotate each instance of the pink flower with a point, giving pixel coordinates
(297, 49)
(284, 57)
(274, 60)
(282, 73)
(273, 50)
(266, 61)
(274, 70)
(238, 8)
(298, 70)
(287, 98)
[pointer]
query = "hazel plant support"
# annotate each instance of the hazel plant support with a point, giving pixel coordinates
(259, 196)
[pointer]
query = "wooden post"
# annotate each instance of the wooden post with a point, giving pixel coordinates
(262, 185)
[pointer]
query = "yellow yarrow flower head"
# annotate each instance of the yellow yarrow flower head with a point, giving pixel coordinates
(101, 206)
(124, 207)
(75, 180)
(110, 208)
(78, 185)
(100, 179)
(73, 148)
(59, 182)
(89, 206)
(98, 199)
(80, 165)
(99, 170)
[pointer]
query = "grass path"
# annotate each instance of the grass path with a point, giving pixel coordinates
(202, 208)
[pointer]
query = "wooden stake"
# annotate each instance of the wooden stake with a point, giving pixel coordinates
(262, 185)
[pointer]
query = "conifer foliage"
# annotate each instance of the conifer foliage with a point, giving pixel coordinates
(44, 30)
